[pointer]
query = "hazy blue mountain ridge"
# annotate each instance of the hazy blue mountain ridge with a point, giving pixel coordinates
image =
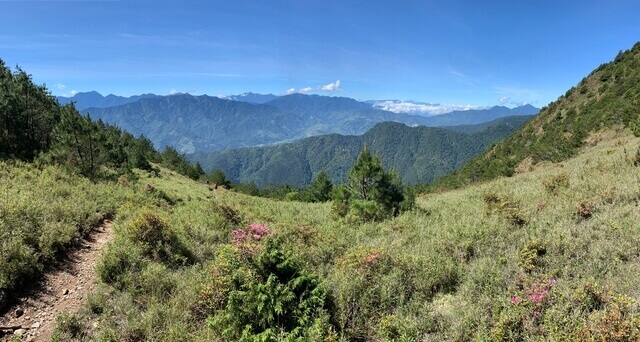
(205, 123)
(94, 99)
(202, 123)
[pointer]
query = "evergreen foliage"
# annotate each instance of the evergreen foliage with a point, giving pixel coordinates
(263, 296)
(28, 114)
(419, 154)
(34, 126)
(170, 158)
(217, 176)
(319, 190)
(371, 193)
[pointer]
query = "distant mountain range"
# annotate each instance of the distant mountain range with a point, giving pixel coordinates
(95, 99)
(204, 123)
(419, 154)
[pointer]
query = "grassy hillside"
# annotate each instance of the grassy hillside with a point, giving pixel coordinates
(548, 254)
(58, 176)
(609, 96)
(42, 211)
(418, 154)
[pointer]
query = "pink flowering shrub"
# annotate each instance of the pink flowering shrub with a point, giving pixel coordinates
(254, 232)
(523, 316)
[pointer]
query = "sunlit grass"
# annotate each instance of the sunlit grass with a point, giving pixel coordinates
(547, 262)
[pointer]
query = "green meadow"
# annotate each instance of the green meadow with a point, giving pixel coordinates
(551, 253)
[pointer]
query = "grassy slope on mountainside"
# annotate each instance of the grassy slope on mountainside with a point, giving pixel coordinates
(609, 96)
(42, 211)
(548, 254)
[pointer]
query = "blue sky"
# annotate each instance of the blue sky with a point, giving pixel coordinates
(477, 53)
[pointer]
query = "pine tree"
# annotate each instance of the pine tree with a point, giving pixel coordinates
(370, 192)
(320, 189)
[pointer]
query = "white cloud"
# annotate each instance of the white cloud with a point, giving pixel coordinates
(291, 91)
(73, 92)
(504, 100)
(306, 90)
(177, 92)
(331, 87)
(519, 104)
(426, 109)
(60, 86)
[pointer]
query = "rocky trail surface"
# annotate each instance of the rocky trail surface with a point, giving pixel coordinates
(32, 316)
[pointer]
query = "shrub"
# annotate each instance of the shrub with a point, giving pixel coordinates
(119, 262)
(160, 195)
(68, 327)
(585, 209)
(229, 214)
(530, 255)
(611, 317)
(523, 317)
(369, 285)
(19, 262)
(507, 207)
(263, 296)
(557, 182)
(156, 239)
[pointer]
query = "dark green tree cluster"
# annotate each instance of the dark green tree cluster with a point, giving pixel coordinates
(319, 190)
(217, 176)
(33, 125)
(371, 193)
(28, 115)
(92, 147)
(170, 158)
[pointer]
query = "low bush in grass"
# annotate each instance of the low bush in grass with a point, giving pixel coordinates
(554, 184)
(257, 291)
(153, 235)
(119, 263)
(507, 207)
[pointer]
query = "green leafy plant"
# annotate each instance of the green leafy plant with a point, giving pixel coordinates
(531, 254)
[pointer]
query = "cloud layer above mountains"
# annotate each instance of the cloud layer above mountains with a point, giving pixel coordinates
(426, 109)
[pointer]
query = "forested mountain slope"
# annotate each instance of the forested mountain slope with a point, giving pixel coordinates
(418, 154)
(608, 97)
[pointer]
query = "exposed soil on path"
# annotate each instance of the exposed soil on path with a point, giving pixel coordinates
(63, 289)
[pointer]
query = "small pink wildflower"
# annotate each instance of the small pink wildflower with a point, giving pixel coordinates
(539, 292)
(255, 232)
(515, 300)
(238, 235)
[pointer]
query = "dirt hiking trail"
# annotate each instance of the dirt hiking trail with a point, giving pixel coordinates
(64, 288)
